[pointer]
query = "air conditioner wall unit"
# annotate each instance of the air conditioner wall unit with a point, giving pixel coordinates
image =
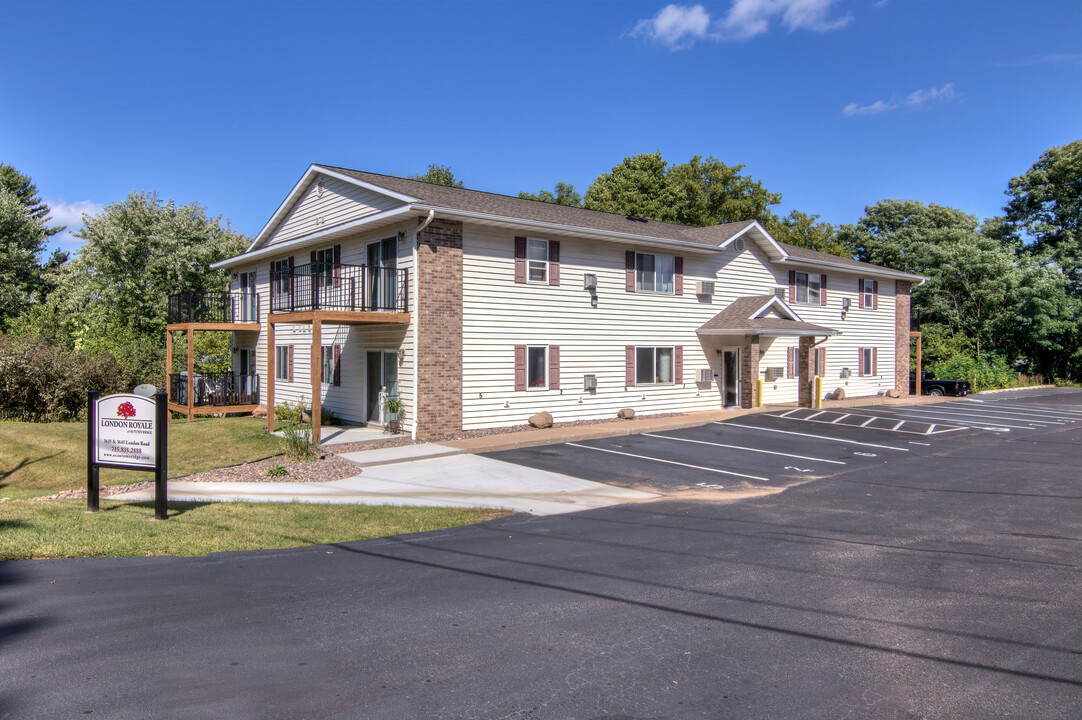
(704, 287)
(705, 375)
(589, 282)
(846, 373)
(773, 373)
(589, 382)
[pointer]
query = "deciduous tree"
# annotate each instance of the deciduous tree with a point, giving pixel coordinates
(439, 175)
(562, 194)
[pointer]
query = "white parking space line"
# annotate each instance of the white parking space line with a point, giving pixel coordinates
(970, 417)
(815, 415)
(914, 442)
(981, 413)
(669, 462)
(898, 425)
(817, 437)
(1019, 414)
(950, 429)
(997, 424)
(749, 449)
(871, 419)
(787, 413)
(843, 417)
(1033, 408)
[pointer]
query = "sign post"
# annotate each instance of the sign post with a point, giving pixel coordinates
(129, 432)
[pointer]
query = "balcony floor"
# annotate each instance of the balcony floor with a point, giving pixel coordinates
(226, 327)
(338, 317)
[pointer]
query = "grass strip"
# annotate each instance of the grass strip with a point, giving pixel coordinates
(61, 528)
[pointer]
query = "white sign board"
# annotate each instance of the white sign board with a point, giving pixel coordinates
(124, 431)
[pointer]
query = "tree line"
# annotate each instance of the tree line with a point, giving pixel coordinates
(1002, 295)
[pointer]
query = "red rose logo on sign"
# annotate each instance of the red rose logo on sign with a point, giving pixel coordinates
(126, 410)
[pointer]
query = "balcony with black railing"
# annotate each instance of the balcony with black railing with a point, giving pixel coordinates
(218, 308)
(335, 286)
(217, 390)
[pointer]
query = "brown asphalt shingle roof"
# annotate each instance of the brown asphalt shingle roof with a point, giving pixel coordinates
(514, 207)
(737, 316)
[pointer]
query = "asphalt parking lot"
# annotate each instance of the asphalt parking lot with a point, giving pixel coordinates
(930, 576)
(776, 450)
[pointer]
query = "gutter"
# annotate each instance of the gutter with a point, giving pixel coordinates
(416, 320)
(856, 270)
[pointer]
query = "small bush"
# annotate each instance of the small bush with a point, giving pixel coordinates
(986, 373)
(298, 444)
(288, 413)
(277, 470)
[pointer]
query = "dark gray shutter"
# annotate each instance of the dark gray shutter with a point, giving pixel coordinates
(678, 266)
(792, 286)
(629, 271)
(554, 262)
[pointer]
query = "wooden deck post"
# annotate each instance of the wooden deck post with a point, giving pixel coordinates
(191, 373)
(317, 378)
(168, 371)
(270, 375)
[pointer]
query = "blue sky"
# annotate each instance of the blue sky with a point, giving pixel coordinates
(835, 104)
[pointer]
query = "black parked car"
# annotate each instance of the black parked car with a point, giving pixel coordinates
(931, 385)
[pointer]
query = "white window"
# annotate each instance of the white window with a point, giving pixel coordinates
(280, 277)
(867, 361)
(867, 293)
(653, 365)
(327, 354)
(281, 362)
(536, 367)
(655, 273)
(325, 266)
(807, 288)
(537, 260)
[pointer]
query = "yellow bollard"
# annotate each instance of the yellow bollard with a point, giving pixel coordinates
(818, 385)
(759, 392)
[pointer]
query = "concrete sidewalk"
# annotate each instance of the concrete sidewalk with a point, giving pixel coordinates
(457, 481)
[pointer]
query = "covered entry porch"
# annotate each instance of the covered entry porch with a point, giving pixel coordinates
(737, 338)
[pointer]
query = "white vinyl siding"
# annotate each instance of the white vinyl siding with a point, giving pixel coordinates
(340, 202)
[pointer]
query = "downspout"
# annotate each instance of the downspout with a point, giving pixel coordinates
(416, 322)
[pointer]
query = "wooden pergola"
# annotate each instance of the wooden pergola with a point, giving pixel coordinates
(316, 318)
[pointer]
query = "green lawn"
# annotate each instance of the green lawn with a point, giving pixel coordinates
(43, 458)
(61, 528)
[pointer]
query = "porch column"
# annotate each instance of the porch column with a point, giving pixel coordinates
(270, 375)
(168, 371)
(805, 380)
(749, 371)
(902, 328)
(191, 373)
(317, 376)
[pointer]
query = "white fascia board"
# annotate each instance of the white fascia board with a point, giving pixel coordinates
(571, 229)
(769, 238)
(768, 332)
(869, 270)
(309, 239)
(776, 301)
(295, 194)
(366, 185)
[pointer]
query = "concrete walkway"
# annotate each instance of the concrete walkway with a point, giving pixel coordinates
(456, 481)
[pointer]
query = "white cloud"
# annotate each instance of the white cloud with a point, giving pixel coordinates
(914, 100)
(920, 97)
(874, 109)
(680, 26)
(676, 26)
(70, 214)
(748, 18)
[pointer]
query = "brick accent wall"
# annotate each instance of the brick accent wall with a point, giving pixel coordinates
(901, 336)
(439, 329)
(805, 373)
(749, 371)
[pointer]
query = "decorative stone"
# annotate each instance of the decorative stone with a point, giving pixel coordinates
(260, 411)
(306, 417)
(541, 420)
(838, 394)
(893, 393)
(626, 414)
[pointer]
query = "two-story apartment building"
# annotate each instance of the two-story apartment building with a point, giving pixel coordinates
(478, 310)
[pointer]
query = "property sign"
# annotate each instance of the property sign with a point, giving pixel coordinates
(130, 432)
(124, 432)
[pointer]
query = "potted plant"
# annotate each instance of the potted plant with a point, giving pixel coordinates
(393, 408)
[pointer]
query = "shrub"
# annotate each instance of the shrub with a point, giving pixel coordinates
(986, 373)
(277, 470)
(40, 381)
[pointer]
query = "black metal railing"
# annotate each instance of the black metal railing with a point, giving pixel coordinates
(219, 307)
(222, 389)
(334, 286)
